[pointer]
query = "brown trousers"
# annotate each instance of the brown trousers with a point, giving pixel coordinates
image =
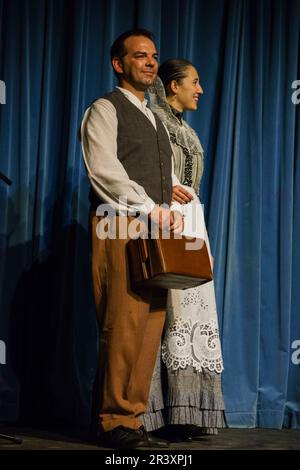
(130, 328)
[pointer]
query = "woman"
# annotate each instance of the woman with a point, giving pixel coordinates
(186, 387)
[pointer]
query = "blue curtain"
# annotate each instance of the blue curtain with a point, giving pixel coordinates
(54, 60)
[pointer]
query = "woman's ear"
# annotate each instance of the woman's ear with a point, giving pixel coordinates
(174, 87)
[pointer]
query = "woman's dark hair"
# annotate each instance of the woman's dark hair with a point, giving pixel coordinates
(118, 50)
(173, 69)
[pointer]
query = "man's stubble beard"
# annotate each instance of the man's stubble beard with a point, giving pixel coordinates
(143, 85)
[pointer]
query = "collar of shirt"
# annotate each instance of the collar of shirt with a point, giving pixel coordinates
(177, 113)
(134, 99)
(142, 105)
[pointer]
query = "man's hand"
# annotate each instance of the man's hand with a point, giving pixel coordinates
(167, 220)
(176, 222)
(181, 195)
(161, 216)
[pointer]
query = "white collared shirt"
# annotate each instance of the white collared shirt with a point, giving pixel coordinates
(108, 177)
(142, 105)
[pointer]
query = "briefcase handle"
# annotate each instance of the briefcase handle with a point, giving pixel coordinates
(143, 245)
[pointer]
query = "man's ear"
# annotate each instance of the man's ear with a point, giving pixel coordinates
(174, 86)
(117, 64)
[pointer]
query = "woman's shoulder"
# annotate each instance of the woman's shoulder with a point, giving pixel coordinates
(192, 138)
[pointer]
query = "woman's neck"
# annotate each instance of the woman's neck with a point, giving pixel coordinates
(174, 104)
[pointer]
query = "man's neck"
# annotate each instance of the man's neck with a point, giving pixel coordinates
(139, 94)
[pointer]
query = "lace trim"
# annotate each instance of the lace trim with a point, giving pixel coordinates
(188, 163)
(194, 345)
(181, 134)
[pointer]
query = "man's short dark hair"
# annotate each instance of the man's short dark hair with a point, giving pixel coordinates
(118, 50)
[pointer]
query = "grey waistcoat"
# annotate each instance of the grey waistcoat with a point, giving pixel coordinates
(145, 153)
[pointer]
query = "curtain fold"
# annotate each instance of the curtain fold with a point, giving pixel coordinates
(54, 60)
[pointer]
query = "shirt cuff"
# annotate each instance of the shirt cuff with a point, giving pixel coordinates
(175, 180)
(144, 208)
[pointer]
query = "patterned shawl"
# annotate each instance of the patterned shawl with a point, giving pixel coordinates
(182, 136)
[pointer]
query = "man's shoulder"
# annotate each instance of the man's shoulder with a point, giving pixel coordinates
(101, 109)
(112, 94)
(102, 103)
(106, 100)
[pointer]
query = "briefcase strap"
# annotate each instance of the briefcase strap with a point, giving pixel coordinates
(144, 249)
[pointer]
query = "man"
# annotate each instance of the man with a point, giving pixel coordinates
(127, 155)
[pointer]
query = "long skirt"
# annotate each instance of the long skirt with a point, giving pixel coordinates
(186, 383)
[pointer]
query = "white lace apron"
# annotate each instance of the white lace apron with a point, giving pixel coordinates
(192, 336)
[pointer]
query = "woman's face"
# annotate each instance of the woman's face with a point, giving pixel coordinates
(187, 91)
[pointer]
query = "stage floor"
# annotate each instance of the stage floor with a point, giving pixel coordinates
(227, 439)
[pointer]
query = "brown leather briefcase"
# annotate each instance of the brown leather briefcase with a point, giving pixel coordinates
(167, 263)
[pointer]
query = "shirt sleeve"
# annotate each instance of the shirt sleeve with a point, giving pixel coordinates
(175, 180)
(107, 175)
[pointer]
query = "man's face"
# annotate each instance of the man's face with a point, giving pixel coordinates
(139, 66)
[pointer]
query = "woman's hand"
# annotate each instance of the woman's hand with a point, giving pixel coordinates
(181, 195)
